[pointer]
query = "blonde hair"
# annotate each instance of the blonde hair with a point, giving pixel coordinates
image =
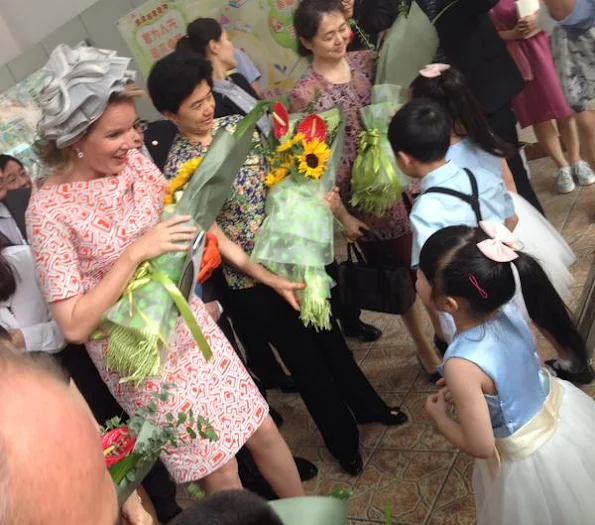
(62, 160)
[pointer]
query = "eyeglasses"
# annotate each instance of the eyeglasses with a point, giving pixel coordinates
(141, 126)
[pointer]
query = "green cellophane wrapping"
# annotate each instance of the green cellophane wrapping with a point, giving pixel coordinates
(296, 238)
(411, 43)
(140, 324)
(377, 182)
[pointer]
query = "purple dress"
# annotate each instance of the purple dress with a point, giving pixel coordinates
(542, 99)
(313, 92)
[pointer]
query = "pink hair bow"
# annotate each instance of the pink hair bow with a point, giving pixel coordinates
(501, 245)
(434, 70)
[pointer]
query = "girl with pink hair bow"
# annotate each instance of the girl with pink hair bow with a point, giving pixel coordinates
(530, 433)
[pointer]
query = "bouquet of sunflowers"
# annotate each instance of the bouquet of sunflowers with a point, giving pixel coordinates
(139, 326)
(296, 237)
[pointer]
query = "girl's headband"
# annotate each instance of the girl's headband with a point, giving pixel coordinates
(434, 70)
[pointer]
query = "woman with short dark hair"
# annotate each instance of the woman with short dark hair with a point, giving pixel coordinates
(333, 387)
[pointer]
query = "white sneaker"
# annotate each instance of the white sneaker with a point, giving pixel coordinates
(565, 182)
(583, 173)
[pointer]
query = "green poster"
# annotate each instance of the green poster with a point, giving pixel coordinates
(263, 29)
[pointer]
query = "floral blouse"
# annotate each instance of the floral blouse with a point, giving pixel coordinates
(243, 211)
(313, 92)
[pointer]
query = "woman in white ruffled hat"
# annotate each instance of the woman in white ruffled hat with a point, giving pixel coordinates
(92, 220)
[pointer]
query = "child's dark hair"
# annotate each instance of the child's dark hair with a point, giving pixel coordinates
(234, 507)
(450, 257)
(306, 20)
(451, 90)
(5, 159)
(421, 128)
(199, 34)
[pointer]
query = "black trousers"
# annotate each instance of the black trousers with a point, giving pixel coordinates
(260, 359)
(158, 484)
(334, 389)
(503, 122)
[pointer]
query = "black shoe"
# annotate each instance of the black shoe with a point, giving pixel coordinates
(366, 333)
(434, 377)
(306, 469)
(277, 418)
(441, 346)
(392, 418)
(581, 377)
(353, 466)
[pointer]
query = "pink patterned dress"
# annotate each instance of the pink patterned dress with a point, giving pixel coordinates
(77, 232)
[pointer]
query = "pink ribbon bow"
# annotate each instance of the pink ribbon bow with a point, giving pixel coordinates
(434, 70)
(501, 245)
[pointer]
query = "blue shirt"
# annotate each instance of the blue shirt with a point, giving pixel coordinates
(467, 154)
(434, 211)
(582, 16)
(503, 348)
(246, 67)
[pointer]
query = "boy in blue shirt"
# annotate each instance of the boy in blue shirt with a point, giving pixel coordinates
(420, 137)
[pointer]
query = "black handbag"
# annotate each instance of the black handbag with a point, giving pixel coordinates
(381, 287)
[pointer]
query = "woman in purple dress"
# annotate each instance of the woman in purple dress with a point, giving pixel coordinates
(333, 77)
(542, 100)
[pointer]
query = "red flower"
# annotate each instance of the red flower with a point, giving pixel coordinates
(117, 444)
(280, 120)
(313, 127)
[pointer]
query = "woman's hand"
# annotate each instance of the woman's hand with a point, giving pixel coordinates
(527, 26)
(171, 235)
(286, 289)
(334, 202)
(354, 228)
(17, 338)
(213, 310)
(511, 34)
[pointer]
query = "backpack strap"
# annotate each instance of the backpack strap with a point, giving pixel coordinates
(472, 200)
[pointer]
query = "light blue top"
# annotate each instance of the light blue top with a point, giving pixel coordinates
(246, 67)
(468, 155)
(434, 211)
(503, 348)
(582, 16)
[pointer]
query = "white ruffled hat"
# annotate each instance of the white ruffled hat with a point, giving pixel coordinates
(80, 83)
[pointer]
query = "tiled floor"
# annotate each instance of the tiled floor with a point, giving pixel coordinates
(412, 467)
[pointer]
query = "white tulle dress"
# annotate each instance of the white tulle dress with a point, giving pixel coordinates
(543, 469)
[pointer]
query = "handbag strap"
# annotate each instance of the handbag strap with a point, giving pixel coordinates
(472, 200)
(354, 254)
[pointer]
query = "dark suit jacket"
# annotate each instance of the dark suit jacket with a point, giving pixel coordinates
(374, 17)
(17, 201)
(159, 137)
(472, 44)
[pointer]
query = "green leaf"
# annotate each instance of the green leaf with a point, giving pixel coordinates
(388, 514)
(170, 417)
(120, 470)
(191, 432)
(341, 493)
(181, 418)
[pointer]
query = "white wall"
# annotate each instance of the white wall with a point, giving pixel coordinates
(9, 47)
(30, 21)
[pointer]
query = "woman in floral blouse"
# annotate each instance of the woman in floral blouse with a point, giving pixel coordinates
(334, 389)
(338, 77)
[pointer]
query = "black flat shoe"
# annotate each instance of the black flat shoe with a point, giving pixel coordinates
(306, 469)
(434, 377)
(441, 346)
(353, 466)
(284, 383)
(392, 418)
(277, 418)
(363, 332)
(577, 377)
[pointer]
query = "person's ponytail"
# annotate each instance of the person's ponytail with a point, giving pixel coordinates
(547, 309)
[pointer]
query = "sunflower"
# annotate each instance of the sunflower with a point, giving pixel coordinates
(314, 160)
(290, 143)
(276, 176)
(180, 180)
